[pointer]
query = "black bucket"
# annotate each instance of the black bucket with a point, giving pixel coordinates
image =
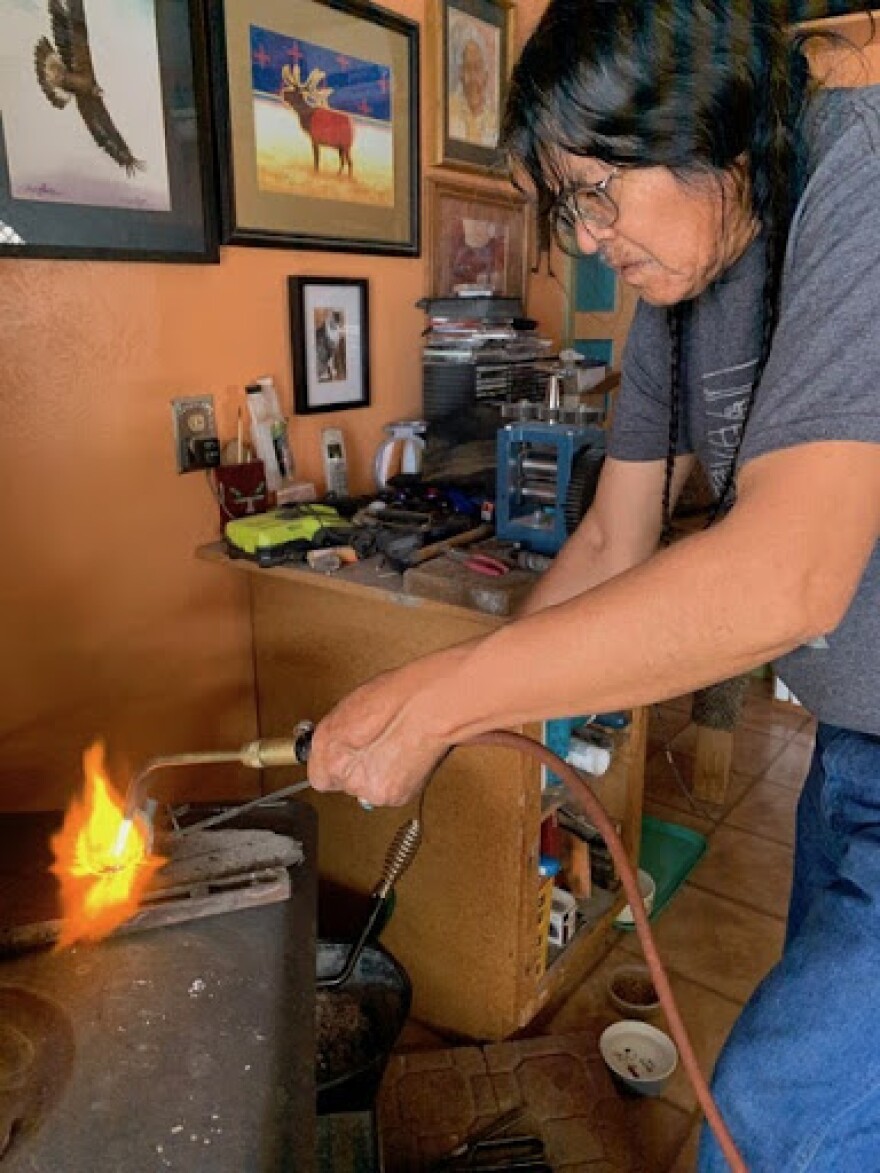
(358, 1024)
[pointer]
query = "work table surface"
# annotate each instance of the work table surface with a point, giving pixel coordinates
(371, 575)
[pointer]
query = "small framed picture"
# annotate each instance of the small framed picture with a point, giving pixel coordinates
(330, 343)
(477, 240)
(471, 59)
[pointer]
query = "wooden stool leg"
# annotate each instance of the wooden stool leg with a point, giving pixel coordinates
(712, 765)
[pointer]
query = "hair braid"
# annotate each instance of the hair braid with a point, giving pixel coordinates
(675, 320)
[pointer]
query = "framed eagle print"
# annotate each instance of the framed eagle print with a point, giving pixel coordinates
(104, 147)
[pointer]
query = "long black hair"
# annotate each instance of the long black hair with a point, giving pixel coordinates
(691, 85)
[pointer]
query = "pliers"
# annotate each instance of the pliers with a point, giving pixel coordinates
(489, 1151)
(479, 563)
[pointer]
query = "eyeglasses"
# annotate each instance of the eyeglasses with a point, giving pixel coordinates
(587, 205)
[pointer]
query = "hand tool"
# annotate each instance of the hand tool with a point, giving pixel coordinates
(267, 751)
(479, 563)
(490, 1149)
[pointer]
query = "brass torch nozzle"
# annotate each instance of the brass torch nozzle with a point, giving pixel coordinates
(265, 752)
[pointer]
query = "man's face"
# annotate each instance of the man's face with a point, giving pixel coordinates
(474, 76)
(672, 238)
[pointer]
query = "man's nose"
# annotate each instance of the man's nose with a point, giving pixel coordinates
(591, 237)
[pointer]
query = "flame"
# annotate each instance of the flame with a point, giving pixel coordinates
(101, 880)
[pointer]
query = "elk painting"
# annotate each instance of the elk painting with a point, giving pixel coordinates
(322, 121)
(310, 101)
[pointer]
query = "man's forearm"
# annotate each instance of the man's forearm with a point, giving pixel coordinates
(636, 639)
(586, 561)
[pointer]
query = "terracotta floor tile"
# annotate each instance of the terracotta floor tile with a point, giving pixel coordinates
(806, 735)
(754, 751)
(708, 1018)
(662, 786)
(717, 943)
(768, 810)
(761, 714)
(790, 768)
(662, 1129)
(686, 1161)
(590, 1000)
(748, 869)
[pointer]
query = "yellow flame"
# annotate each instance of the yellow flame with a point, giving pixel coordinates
(101, 885)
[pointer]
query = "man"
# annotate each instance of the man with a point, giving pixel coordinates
(473, 116)
(685, 142)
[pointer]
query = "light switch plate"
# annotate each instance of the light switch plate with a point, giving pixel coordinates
(193, 419)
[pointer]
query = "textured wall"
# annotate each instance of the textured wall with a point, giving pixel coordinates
(108, 626)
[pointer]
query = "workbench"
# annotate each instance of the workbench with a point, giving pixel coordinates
(465, 923)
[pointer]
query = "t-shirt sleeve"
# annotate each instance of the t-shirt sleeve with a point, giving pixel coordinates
(823, 374)
(640, 428)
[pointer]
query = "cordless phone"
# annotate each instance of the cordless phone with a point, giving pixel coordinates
(335, 469)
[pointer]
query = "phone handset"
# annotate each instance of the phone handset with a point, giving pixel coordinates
(335, 467)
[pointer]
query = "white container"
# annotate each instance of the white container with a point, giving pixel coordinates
(648, 889)
(269, 432)
(563, 918)
(640, 1055)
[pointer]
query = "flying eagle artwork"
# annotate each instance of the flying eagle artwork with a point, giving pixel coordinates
(65, 71)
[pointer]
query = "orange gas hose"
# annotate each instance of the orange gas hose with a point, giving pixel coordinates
(585, 798)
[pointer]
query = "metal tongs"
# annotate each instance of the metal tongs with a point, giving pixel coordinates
(490, 1149)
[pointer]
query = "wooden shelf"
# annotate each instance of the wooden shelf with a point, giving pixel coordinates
(465, 925)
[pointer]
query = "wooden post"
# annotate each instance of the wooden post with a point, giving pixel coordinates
(712, 764)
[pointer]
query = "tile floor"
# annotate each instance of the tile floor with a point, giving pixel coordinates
(724, 928)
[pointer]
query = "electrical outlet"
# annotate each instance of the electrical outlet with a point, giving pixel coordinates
(195, 433)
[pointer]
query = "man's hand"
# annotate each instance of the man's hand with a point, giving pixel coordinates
(382, 742)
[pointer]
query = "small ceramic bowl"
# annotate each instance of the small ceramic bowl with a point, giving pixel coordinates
(648, 889)
(632, 993)
(642, 1057)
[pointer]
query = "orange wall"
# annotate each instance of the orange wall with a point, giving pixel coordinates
(108, 626)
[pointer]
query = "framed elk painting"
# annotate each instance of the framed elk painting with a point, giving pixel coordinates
(317, 115)
(104, 144)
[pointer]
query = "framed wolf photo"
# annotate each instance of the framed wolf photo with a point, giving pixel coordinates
(329, 343)
(104, 140)
(317, 116)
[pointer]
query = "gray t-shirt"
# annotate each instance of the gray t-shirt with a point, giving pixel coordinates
(820, 382)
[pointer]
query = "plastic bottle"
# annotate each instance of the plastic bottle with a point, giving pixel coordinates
(269, 432)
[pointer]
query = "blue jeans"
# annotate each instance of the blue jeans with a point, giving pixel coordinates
(798, 1081)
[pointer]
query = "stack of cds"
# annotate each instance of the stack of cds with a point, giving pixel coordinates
(480, 353)
(479, 349)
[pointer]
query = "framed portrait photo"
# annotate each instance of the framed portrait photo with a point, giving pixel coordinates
(329, 343)
(472, 59)
(105, 151)
(477, 239)
(317, 118)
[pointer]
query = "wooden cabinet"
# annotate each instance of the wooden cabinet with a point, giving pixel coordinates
(465, 924)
